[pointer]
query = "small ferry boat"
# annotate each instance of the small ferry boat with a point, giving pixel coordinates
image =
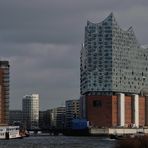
(9, 132)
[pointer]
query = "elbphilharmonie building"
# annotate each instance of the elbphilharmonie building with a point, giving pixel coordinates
(114, 76)
(112, 60)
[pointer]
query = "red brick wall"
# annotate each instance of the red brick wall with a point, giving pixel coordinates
(146, 111)
(99, 116)
(114, 111)
(141, 111)
(107, 114)
(128, 110)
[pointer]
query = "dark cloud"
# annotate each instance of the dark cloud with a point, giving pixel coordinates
(49, 21)
(42, 39)
(48, 69)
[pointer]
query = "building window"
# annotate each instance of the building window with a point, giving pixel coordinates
(97, 103)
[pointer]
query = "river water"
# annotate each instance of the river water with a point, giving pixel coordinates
(58, 142)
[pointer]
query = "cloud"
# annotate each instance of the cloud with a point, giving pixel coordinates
(42, 39)
(48, 69)
(54, 21)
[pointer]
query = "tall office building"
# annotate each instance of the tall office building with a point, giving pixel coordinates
(45, 119)
(58, 117)
(72, 111)
(4, 92)
(30, 108)
(114, 75)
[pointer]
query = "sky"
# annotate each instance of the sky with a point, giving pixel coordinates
(42, 40)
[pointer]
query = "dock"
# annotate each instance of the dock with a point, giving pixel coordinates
(117, 131)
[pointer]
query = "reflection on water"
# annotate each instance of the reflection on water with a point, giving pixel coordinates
(58, 142)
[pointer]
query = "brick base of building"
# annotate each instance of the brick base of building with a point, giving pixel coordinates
(103, 111)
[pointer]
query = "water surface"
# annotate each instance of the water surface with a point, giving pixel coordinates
(58, 142)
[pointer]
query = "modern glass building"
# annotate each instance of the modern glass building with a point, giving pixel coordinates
(30, 108)
(112, 60)
(114, 76)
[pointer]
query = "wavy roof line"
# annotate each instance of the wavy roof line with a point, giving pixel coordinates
(111, 15)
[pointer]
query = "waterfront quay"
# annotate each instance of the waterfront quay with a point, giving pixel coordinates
(117, 131)
(102, 132)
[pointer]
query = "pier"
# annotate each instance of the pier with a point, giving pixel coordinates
(117, 131)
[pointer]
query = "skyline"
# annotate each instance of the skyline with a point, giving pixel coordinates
(42, 41)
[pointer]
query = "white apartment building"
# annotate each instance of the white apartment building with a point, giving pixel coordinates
(30, 108)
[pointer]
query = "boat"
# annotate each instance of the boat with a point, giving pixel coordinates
(24, 133)
(10, 132)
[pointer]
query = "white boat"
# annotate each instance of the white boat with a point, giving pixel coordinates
(9, 132)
